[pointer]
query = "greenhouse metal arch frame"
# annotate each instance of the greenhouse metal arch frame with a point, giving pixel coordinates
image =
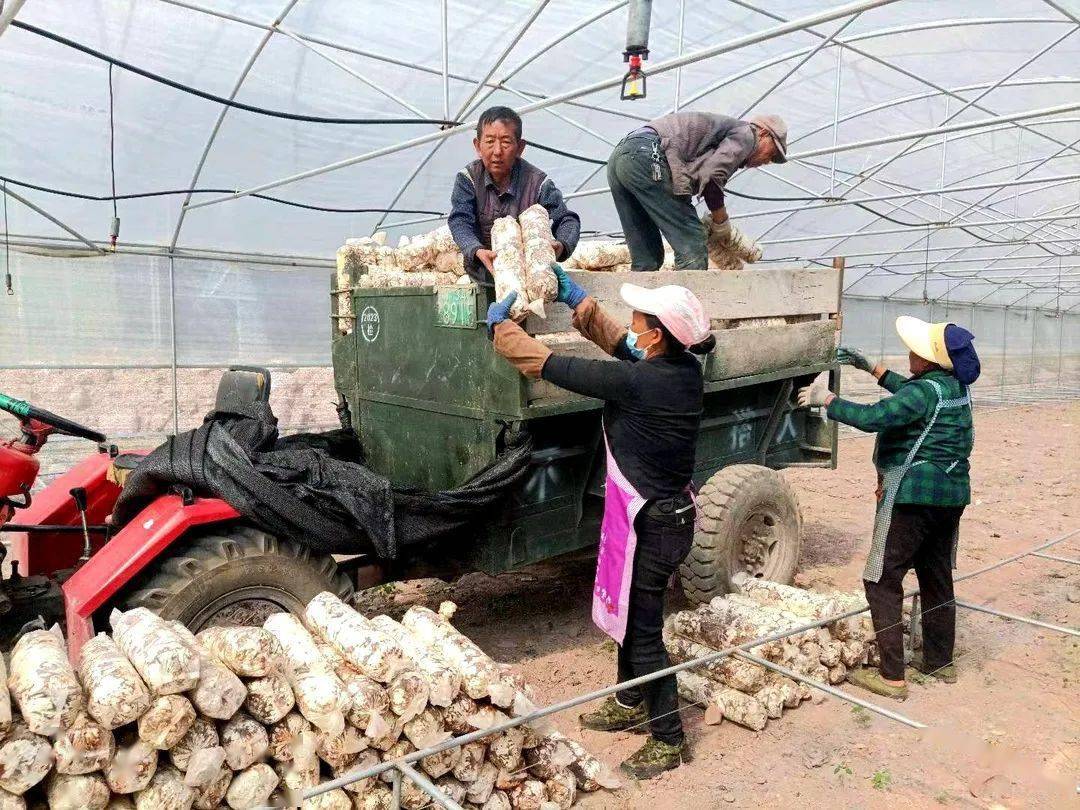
(1030, 266)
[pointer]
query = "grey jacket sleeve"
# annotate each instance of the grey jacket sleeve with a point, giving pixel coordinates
(730, 154)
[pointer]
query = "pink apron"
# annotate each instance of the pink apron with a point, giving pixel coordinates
(615, 559)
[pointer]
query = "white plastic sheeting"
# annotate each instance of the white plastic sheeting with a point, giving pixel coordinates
(903, 67)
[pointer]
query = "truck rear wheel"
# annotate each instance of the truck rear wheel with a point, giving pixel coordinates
(236, 575)
(748, 520)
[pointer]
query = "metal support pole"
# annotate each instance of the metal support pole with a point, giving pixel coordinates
(881, 354)
(172, 336)
(1034, 328)
(446, 58)
(10, 9)
(678, 72)
(1055, 557)
(829, 690)
(1061, 337)
(1004, 347)
(52, 219)
(836, 117)
(395, 776)
(427, 786)
(915, 625)
(1013, 617)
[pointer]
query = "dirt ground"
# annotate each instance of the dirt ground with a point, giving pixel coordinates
(1007, 735)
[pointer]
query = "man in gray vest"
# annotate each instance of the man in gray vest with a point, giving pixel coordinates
(500, 184)
(656, 170)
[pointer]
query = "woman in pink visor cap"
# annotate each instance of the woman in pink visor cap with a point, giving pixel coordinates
(652, 396)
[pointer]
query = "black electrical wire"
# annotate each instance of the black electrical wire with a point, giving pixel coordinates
(314, 119)
(780, 199)
(146, 194)
(570, 155)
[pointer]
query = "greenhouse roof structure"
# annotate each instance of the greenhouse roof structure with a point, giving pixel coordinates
(934, 143)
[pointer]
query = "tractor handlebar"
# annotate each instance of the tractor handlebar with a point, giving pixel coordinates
(24, 410)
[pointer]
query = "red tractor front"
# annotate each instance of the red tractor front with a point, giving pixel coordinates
(188, 558)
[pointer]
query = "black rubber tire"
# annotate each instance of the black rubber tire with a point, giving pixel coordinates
(238, 574)
(729, 501)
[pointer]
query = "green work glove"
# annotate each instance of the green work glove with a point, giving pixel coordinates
(848, 356)
(570, 292)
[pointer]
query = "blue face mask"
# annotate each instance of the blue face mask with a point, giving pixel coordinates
(631, 344)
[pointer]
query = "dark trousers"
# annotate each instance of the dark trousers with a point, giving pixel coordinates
(648, 208)
(661, 547)
(920, 537)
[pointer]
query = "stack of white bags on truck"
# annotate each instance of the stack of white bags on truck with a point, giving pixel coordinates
(156, 718)
(748, 694)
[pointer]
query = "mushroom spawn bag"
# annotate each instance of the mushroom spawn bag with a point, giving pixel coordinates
(371, 651)
(251, 652)
(167, 720)
(320, 695)
(132, 767)
(85, 747)
(508, 268)
(163, 658)
(25, 759)
(536, 237)
(115, 694)
(43, 683)
(269, 698)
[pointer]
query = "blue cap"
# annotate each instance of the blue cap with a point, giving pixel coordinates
(958, 343)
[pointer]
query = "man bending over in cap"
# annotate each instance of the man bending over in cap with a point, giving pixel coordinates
(656, 170)
(924, 441)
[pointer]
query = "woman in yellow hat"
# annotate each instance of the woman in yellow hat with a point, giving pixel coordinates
(924, 441)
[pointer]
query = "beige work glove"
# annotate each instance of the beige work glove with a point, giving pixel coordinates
(728, 246)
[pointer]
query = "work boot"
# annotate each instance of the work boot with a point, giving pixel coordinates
(612, 716)
(871, 680)
(655, 757)
(946, 674)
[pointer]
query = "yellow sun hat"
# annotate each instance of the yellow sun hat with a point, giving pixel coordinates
(925, 339)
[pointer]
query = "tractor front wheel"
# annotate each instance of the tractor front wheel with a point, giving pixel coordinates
(235, 575)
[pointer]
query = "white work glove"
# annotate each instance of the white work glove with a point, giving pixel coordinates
(815, 395)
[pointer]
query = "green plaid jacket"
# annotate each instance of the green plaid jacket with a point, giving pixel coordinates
(899, 420)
